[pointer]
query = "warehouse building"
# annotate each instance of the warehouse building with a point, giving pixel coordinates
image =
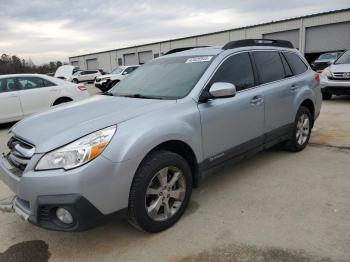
(312, 35)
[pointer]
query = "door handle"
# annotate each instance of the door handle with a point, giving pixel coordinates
(257, 100)
(13, 95)
(53, 90)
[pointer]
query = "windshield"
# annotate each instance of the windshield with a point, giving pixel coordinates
(171, 78)
(117, 71)
(77, 73)
(344, 59)
(328, 56)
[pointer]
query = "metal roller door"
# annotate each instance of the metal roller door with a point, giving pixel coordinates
(91, 64)
(144, 57)
(75, 63)
(327, 38)
(130, 59)
(291, 35)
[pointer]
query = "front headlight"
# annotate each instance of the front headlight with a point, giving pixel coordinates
(326, 72)
(79, 152)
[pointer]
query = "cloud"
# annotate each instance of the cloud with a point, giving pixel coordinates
(56, 29)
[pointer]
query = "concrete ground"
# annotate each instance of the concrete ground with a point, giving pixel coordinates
(277, 206)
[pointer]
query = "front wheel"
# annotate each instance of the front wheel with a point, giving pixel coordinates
(301, 131)
(160, 192)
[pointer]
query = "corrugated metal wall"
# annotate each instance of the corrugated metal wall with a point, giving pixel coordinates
(310, 34)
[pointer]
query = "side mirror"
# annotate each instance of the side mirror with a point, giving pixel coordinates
(124, 73)
(222, 90)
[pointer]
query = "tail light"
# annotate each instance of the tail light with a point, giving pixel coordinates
(82, 87)
(317, 78)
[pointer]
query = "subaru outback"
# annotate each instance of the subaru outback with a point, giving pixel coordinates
(141, 150)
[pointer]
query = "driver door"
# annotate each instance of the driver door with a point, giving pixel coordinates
(232, 126)
(10, 105)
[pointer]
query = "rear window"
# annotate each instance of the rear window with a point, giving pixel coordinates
(297, 65)
(270, 66)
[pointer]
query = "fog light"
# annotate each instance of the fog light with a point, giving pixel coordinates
(64, 216)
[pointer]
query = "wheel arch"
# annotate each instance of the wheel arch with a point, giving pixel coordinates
(61, 98)
(183, 149)
(309, 104)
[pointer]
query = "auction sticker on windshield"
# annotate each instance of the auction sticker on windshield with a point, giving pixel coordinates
(199, 59)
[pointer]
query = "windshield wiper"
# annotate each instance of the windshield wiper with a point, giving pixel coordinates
(142, 96)
(107, 94)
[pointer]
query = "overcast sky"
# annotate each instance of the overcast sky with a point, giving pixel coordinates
(47, 30)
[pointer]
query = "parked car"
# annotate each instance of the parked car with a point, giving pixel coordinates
(106, 82)
(24, 94)
(325, 60)
(166, 127)
(335, 79)
(65, 72)
(85, 76)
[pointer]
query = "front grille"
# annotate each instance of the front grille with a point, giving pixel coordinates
(44, 213)
(20, 153)
(341, 76)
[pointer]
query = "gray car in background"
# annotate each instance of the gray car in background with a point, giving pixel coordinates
(160, 131)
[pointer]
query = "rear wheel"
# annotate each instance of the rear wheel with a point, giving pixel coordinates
(301, 131)
(160, 191)
(326, 96)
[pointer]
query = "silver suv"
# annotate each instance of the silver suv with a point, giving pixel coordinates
(160, 131)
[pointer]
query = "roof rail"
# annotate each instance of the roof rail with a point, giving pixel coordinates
(181, 49)
(257, 42)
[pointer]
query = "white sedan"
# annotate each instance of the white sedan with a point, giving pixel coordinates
(24, 94)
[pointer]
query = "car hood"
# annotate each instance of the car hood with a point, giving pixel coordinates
(340, 68)
(63, 124)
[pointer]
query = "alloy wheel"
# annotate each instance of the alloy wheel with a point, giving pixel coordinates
(303, 129)
(165, 193)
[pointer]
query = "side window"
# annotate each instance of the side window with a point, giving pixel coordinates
(237, 70)
(269, 65)
(287, 69)
(129, 70)
(7, 85)
(30, 83)
(295, 62)
(47, 83)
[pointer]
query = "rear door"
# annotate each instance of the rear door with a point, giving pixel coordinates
(234, 125)
(36, 93)
(277, 81)
(10, 106)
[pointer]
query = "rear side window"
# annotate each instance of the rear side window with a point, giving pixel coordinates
(47, 83)
(30, 82)
(269, 65)
(297, 65)
(236, 70)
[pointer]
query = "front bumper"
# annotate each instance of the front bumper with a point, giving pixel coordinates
(102, 85)
(92, 192)
(337, 87)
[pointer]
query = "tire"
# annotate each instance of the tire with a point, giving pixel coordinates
(147, 190)
(327, 96)
(301, 132)
(62, 101)
(75, 81)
